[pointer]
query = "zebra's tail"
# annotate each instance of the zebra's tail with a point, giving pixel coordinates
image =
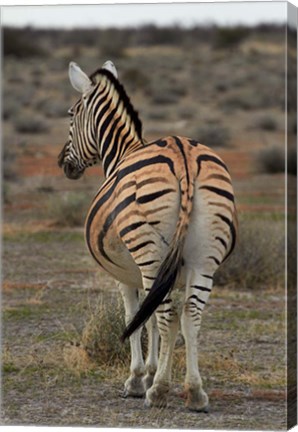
(170, 267)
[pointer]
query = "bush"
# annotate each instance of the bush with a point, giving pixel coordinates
(32, 123)
(102, 331)
(259, 256)
(21, 43)
(271, 160)
(68, 209)
(213, 135)
(267, 122)
(229, 37)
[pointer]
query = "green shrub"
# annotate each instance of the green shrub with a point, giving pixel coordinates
(68, 209)
(259, 256)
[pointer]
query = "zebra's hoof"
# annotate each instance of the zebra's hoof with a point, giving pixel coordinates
(157, 396)
(197, 400)
(134, 387)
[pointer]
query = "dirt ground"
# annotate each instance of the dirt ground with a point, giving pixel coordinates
(46, 308)
(50, 285)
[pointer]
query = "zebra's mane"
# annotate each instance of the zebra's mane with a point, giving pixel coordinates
(95, 78)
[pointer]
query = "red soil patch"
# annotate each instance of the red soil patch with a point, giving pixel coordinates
(10, 286)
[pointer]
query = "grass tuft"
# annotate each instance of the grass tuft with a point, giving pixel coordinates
(101, 334)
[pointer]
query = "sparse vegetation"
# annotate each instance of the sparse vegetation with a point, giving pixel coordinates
(267, 123)
(68, 209)
(213, 135)
(229, 37)
(251, 266)
(21, 43)
(272, 160)
(31, 124)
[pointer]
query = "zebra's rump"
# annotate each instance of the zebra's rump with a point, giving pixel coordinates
(134, 215)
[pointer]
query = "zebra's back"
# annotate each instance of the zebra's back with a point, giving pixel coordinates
(133, 217)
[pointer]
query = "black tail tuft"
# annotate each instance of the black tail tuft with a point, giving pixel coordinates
(162, 285)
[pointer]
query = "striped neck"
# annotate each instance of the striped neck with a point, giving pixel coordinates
(117, 125)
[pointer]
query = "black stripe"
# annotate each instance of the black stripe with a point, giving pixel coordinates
(166, 301)
(219, 191)
(130, 228)
(196, 306)
(149, 278)
(219, 177)
(180, 145)
(207, 276)
(164, 311)
(109, 119)
(232, 230)
(101, 111)
(160, 143)
(201, 288)
(222, 241)
(214, 259)
(193, 296)
(144, 264)
(209, 158)
(140, 246)
(153, 196)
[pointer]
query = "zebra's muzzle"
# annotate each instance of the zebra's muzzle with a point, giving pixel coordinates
(72, 172)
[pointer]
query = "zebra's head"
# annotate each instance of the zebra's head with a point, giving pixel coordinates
(81, 149)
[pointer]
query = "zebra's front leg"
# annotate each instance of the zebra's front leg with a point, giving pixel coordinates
(152, 355)
(133, 386)
(168, 323)
(197, 292)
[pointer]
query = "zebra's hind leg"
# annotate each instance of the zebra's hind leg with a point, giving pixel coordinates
(168, 323)
(198, 289)
(152, 356)
(134, 386)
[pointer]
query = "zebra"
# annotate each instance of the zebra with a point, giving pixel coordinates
(163, 221)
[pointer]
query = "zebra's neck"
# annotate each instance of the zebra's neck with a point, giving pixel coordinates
(117, 126)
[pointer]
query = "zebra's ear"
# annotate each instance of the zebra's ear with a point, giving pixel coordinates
(108, 65)
(78, 78)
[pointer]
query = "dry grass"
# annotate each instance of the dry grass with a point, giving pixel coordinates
(102, 331)
(251, 265)
(68, 209)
